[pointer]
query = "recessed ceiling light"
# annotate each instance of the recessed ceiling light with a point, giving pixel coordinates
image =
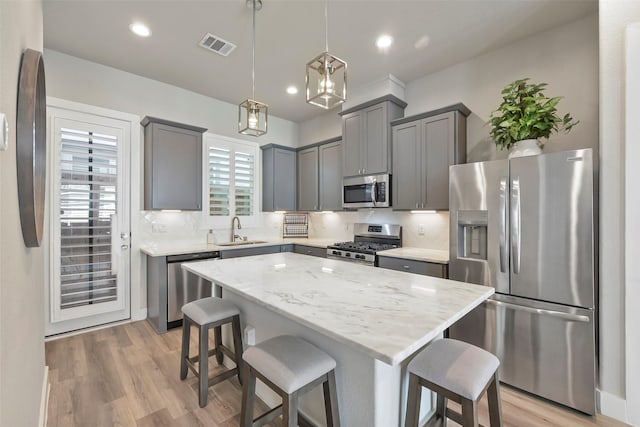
(292, 90)
(384, 41)
(140, 29)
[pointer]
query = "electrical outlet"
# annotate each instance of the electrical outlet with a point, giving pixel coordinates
(420, 230)
(250, 335)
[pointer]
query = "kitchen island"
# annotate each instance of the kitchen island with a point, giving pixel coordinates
(372, 321)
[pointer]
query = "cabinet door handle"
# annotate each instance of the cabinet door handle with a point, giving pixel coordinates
(416, 205)
(406, 267)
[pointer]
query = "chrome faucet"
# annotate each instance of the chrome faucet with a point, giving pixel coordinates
(235, 236)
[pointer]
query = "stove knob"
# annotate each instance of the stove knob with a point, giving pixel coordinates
(347, 254)
(335, 253)
(359, 257)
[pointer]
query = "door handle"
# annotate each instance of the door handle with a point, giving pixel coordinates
(503, 224)
(541, 311)
(124, 236)
(374, 192)
(515, 224)
(124, 247)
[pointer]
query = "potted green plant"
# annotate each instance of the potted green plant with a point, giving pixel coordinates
(525, 116)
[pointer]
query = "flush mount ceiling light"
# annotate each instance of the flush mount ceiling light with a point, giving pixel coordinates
(140, 29)
(252, 114)
(326, 76)
(292, 90)
(384, 41)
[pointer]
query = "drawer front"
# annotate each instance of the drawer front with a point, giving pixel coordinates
(411, 266)
(310, 250)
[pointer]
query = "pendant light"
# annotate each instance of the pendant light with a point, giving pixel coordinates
(326, 76)
(252, 114)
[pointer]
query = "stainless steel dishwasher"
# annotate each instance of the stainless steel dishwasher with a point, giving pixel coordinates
(184, 287)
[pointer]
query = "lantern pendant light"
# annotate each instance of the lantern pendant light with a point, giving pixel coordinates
(252, 114)
(326, 76)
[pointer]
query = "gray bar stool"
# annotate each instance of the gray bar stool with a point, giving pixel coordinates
(207, 313)
(458, 371)
(290, 366)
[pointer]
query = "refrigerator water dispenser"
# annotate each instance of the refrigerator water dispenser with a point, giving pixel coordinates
(472, 234)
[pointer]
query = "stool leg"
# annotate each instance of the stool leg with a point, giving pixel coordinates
(203, 366)
(413, 402)
(469, 413)
(248, 396)
(493, 395)
(237, 345)
(331, 400)
(290, 410)
(184, 354)
(441, 408)
(217, 333)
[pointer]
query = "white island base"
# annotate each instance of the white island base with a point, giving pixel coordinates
(370, 320)
(369, 391)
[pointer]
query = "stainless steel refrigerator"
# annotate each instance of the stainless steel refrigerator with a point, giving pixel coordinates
(526, 227)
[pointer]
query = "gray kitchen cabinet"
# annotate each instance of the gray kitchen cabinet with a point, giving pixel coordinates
(244, 251)
(366, 136)
(412, 266)
(286, 248)
(308, 166)
(424, 146)
(278, 178)
(330, 182)
(320, 176)
(310, 250)
(172, 165)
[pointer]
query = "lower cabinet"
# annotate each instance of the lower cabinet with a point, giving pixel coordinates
(310, 250)
(411, 266)
(240, 252)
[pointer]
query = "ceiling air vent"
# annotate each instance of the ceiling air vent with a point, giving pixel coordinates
(216, 44)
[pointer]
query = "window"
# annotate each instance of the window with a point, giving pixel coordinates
(231, 186)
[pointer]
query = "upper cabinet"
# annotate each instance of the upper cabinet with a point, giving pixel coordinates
(308, 167)
(320, 176)
(278, 178)
(424, 146)
(366, 136)
(172, 165)
(330, 177)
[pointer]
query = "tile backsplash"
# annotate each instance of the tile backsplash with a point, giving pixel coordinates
(426, 230)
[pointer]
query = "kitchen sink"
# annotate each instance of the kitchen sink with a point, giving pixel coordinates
(242, 243)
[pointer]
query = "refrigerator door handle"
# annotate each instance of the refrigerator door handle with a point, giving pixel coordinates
(515, 224)
(552, 313)
(503, 224)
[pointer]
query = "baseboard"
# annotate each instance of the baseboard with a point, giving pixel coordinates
(139, 314)
(44, 398)
(612, 406)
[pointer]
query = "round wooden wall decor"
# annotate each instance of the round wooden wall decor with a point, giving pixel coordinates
(31, 146)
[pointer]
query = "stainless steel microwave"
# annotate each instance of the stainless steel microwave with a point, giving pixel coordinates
(371, 191)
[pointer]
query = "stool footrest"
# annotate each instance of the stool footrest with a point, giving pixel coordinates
(268, 416)
(223, 376)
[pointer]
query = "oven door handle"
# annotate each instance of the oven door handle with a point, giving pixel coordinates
(374, 192)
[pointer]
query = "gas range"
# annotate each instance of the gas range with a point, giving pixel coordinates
(368, 240)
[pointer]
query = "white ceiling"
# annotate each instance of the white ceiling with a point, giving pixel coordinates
(290, 33)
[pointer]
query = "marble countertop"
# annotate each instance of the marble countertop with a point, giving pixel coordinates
(173, 248)
(418, 254)
(387, 314)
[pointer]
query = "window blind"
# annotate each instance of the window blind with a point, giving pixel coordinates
(244, 166)
(219, 181)
(88, 199)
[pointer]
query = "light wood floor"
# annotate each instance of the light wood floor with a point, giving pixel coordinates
(128, 375)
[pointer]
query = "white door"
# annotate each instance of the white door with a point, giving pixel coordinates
(89, 220)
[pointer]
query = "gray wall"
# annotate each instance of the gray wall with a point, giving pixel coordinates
(21, 270)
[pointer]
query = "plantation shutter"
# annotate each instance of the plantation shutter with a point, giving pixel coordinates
(219, 181)
(88, 181)
(244, 183)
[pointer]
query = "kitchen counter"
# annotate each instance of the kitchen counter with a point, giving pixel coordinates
(418, 254)
(386, 314)
(172, 248)
(371, 321)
